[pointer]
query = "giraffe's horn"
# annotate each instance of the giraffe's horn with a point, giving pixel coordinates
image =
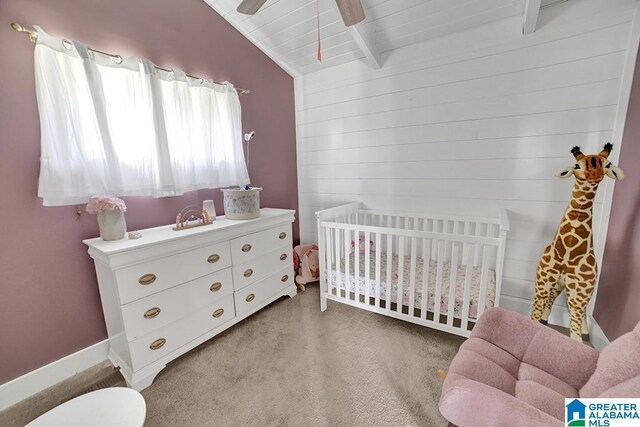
(577, 153)
(606, 150)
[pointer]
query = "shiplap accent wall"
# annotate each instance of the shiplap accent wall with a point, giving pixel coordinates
(468, 123)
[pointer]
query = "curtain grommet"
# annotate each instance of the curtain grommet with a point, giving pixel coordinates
(117, 59)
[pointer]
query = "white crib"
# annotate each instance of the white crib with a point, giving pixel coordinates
(457, 261)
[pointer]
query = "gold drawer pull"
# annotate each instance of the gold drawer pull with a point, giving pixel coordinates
(282, 235)
(151, 313)
(284, 278)
(219, 312)
(147, 279)
(250, 297)
(283, 257)
(246, 248)
(216, 287)
(157, 343)
(248, 273)
(213, 258)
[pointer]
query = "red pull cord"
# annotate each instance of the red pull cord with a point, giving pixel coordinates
(318, 14)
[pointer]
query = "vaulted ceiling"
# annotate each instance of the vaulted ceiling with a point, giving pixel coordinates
(286, 30)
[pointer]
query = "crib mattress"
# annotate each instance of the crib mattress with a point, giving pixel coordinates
(476, 273)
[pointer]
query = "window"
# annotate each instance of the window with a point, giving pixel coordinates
(126, 128)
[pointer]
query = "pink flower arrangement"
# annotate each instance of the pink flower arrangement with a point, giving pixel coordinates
(105, 203)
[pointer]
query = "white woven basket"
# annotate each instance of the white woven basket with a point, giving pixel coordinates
(242, 204)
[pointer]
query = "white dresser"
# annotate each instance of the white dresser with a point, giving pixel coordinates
(170, 291)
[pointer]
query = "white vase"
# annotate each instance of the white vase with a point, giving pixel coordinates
(112, 225)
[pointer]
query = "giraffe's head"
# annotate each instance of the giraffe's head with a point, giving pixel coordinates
(592, 168)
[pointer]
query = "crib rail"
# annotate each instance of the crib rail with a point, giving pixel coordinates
(339, 211)
(438, 271)
(411, 233)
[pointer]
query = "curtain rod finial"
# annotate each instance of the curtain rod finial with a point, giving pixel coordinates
(33, 35)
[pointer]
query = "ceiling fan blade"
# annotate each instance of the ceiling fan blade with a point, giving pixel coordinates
(250, 7)
(351, 11)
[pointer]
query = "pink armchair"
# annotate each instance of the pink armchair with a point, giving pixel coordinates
(513, 371)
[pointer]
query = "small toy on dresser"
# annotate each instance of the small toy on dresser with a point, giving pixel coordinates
(192, 216)
(307, 265)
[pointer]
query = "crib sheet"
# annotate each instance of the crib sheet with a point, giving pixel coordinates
(431, 282)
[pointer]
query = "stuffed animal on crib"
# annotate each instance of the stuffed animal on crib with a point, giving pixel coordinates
(569, 262)
(362, 245)
(307, 265)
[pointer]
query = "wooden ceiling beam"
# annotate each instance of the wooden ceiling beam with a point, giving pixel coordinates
(365, 43)
(530, 16)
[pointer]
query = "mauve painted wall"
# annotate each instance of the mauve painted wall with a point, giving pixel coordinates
(49, 301)
(617, 307)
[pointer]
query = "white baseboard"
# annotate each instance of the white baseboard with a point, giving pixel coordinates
(598, 339)
(33, 382)
(559, 314)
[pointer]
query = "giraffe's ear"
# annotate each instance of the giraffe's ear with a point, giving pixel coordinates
(614, 172)
(566, 172)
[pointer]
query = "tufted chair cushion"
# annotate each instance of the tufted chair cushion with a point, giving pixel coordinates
(618, 370)
(513, 371)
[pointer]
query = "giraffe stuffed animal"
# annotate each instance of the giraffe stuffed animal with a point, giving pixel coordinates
(569, 261)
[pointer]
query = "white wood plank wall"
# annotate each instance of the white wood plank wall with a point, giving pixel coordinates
(468, 123)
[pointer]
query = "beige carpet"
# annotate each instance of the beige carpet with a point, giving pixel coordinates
(290, 364)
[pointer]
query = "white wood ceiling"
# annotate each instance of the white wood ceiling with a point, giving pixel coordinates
(286, 29)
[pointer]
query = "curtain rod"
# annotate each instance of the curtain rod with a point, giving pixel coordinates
(33, 36)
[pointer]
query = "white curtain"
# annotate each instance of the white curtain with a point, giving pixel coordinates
(124, 128)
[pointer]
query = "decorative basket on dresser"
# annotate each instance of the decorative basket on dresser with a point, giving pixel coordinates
(170, 291)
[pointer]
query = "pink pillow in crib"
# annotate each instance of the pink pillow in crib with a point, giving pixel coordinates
(362, 245)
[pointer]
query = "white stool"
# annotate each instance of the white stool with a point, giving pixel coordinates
(109, 407)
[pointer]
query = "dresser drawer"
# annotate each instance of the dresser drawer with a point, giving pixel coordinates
(163, 341)
(141, 280)
(251, 246)
(155, 311)
(259, 268)
(250, 298)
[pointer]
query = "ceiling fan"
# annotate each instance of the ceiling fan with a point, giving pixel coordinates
(351, 10)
